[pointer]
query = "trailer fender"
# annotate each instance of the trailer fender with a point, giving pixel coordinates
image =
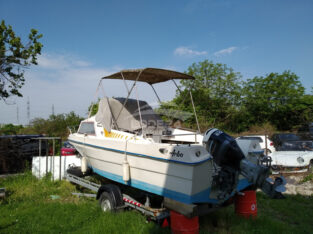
(115, 193)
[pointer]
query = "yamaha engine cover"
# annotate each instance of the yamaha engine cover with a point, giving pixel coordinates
(223, 148)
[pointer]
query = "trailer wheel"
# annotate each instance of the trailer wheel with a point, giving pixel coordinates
(112, 193)
(106, 202)
(76, 171)
(275, 168)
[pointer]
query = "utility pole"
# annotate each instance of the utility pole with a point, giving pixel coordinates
(28, 110)
(17, 114)
(52, 109)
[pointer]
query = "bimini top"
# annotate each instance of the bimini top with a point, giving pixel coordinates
(149, 75)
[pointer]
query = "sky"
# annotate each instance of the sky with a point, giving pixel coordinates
(86, 40)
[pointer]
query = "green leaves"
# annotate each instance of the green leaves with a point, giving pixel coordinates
(222, 100)
(14, 57)
(275, 98)
(216, 93)
(55, 125)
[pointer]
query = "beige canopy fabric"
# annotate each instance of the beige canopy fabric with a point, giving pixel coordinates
(104, 115)
(128, 117)
(149, 75)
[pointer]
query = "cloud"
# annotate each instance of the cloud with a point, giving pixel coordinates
(226, 51)
(60, 61)
(81, 63)
(69, 84)
(185, 51)
(62, 80)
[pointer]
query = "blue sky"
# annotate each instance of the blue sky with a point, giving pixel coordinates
(84, 40)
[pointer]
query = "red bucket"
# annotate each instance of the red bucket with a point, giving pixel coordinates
(245, 204)
(180, 224)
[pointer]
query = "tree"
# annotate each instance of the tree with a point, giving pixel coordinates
(216, 93)
(14, 58)
(218, 80)
(93, 108)
(277, 98)
(10, 129)
(56, 125)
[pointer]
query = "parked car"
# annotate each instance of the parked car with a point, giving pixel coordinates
(292, 153)
(292, 161)
(279, 138)
(306, 131)
(68, 149)
(296, 146)
(268, 147)
(17, 151)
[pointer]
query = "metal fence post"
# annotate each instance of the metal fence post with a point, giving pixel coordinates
(53, 156)
(46, 141)
(60, 169)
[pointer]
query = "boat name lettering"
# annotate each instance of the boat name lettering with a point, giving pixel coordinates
(175, 153)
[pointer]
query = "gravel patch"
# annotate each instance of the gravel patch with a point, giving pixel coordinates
(296, 186)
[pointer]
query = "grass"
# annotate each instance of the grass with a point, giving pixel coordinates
(309, 177)
(30, 208)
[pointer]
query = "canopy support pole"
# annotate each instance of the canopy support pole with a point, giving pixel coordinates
(89, 114)
(125, 82)
(184, 97)
(176, 86)
(193, 105)
(141, 124)
(155, 93)
(129, 92)
(114, 120)
(194, 111)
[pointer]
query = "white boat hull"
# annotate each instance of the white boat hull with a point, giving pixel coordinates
(186, 182)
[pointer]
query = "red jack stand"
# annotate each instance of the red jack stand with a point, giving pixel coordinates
(180, 224)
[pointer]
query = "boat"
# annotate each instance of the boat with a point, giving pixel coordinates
(127, 142)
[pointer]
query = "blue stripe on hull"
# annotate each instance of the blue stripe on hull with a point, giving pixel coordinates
(201, 197)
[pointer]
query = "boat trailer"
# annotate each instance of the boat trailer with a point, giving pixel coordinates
(179, 215)
(156, 214)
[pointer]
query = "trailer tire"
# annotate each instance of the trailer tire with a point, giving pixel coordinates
(76, 171)
(106, 202)
(114, 194)
(275, 168)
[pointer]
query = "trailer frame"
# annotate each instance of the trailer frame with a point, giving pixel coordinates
(156, 214)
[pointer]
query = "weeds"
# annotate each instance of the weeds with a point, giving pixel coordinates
(29, 208)
(307, 178)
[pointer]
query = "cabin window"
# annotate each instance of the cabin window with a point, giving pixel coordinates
(87, 128)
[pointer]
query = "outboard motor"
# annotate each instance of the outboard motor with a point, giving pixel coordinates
(231, 161)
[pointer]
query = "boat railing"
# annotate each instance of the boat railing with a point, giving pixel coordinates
(182, 134)
(71, 129)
